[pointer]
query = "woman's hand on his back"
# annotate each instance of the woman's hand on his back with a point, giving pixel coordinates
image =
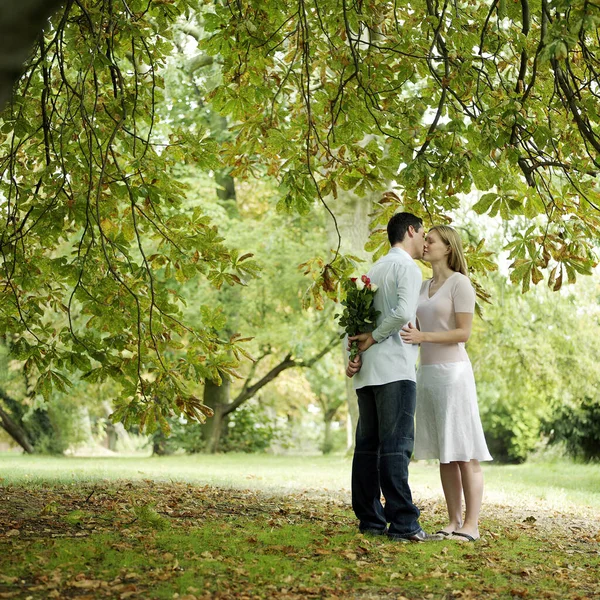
(411, 335)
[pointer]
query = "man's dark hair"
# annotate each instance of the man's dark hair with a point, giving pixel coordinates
(399, 224)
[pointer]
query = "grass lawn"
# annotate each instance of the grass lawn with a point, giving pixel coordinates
(255, 526)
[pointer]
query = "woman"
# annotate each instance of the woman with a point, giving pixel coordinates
(448, 426)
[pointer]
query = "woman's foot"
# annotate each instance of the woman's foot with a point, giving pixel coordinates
(449, 529)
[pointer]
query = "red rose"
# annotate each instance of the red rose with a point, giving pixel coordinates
(353, 279)
(365, 280)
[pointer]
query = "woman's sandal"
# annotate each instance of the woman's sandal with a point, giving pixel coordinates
(445, 533)
(466, 536)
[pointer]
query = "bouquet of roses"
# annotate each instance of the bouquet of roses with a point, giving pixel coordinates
(359, 314)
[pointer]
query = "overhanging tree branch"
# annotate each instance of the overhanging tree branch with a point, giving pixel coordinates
(287, 363)
(13, 428)
(21, 22)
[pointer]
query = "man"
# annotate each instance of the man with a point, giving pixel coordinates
(384, 379)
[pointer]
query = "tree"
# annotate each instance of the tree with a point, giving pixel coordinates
(578, 427)
(92, 223)
(442, 98)
(328, 384)
(285, 337)
(534, 359)
(38, 427)
(323, 97)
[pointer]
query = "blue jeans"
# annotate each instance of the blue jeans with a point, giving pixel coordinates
(384, 445)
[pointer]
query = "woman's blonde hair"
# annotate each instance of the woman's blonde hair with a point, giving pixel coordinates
(456, 257)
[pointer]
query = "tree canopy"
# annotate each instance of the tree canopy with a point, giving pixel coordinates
(93, 227)
(325, 97)
(443, 98)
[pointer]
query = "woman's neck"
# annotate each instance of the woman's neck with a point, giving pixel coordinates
(441, 271)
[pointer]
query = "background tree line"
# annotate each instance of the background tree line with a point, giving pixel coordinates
(146, 145)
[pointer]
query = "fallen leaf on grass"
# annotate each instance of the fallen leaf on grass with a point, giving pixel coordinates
(50, 508)
(13, 533)
(124, 588)
(88, 584)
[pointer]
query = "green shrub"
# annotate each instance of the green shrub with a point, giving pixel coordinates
(578, 427)
(185, 436)
(250, 429)
(510, 423)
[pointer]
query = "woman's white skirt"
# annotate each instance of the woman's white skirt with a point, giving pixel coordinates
(448, 426)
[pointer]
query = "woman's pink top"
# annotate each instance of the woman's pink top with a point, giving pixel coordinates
(438, 313)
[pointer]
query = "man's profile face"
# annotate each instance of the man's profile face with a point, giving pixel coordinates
(419, 242)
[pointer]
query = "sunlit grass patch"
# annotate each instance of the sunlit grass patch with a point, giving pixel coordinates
(553, 485)
(154, 537)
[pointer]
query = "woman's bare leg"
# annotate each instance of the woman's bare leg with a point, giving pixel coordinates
(453, 491)
(472, 482)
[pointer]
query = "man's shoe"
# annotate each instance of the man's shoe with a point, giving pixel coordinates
(420, 536)
(373, 531)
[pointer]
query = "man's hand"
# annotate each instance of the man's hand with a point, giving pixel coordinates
(354, 366)
(365, 341)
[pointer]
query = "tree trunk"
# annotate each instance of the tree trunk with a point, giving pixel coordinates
(84, 425)
(114, 431)
(217, 398)
(327, 445)
(15, 431)
(159, 446)
(21, 23)
(28, 436)
(352, 214)
(111, 436)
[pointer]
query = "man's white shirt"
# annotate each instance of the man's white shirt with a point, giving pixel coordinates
(399, 283)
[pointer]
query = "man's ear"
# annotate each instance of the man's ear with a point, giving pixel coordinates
(411, 231)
